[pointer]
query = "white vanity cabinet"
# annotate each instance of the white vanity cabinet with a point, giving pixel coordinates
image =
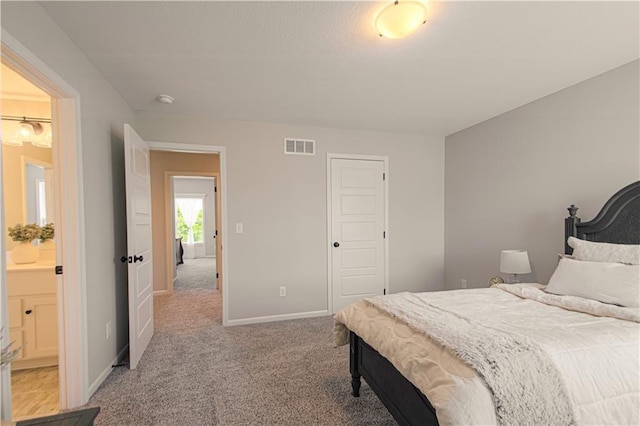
(33, 314)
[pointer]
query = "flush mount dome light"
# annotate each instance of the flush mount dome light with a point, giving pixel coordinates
(165, 99)
(400, 19)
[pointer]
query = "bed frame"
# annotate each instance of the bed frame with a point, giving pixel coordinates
(617, 222)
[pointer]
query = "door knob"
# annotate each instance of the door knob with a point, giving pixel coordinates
(28, 311)
(125, 259)
(137, 258)
(336, 244)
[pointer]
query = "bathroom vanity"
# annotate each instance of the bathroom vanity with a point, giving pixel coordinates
(33, 314)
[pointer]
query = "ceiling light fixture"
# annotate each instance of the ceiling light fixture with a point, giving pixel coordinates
(400, 19)
(165, 99)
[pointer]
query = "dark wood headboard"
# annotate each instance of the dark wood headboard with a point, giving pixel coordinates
(618, 221)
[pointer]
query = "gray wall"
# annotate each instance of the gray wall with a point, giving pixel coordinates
(281, 200)
(509, 180)
(103, 112)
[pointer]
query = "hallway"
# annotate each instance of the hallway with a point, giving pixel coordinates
(196, 273)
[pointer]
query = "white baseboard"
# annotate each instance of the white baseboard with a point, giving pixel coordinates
(96, 384)
(283, 317)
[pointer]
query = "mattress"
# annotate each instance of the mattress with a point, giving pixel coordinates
(595, 347)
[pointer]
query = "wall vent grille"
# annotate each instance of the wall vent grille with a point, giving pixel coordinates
(295, 146)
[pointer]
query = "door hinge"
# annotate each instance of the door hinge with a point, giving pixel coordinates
(384, 234)
(58, 269)
(216, 275)
(216, 232)
(215, 189)
(384, 291)
(384, 176)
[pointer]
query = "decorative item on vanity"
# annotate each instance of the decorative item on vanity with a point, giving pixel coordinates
(46, 236)
(514, 262)
(25, 252)
(47, 246)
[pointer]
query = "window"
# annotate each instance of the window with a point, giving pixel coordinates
(41, 202)
(190, 219)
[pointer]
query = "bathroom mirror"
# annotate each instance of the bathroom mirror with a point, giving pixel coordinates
(37, 191)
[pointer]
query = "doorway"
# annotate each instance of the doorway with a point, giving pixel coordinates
(195, 231)
(169, 154)
(357, 212)
(196, 194)
(27, 167)
(145, 199)
(43, 318)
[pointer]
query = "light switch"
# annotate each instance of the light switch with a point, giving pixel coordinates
(239, 228)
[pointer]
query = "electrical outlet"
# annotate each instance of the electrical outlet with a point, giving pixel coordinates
(109, 330)
(283, 291)
(463, 283)
(239, 228)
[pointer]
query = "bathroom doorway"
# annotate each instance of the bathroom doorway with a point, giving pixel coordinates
(30, 243)
(69, 228)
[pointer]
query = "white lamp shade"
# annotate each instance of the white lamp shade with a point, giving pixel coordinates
(514, 262)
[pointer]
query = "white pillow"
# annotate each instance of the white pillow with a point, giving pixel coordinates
(605, 252)
(613, 283)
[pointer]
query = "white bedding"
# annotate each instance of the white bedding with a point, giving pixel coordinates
(597, 352)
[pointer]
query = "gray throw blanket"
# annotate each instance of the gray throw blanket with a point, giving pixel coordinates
(525, 384)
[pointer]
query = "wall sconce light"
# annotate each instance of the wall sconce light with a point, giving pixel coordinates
(400, 19)
(18, 130)
(28, 128)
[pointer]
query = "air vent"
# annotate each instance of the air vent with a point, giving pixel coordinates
(299, 146)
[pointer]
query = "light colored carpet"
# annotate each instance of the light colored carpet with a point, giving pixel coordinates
(196, 372)
(196, 273)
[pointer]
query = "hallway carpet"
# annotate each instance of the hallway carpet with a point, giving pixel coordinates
(196, 273)
(196, 372)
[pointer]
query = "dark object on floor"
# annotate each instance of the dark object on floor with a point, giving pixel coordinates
(74, 418)
(179, 251)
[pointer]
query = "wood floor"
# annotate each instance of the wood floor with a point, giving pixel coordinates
(35, 392)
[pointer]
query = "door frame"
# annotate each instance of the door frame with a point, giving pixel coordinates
(222, 186)
(170, 228)
(69, 214)
(385, 194)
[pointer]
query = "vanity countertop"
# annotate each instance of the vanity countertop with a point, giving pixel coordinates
(30, 266)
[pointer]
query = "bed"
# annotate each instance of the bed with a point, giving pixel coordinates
(393, 348)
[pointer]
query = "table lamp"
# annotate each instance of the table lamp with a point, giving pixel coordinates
(514, 262)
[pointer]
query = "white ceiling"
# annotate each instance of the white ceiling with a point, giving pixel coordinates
(322, 64)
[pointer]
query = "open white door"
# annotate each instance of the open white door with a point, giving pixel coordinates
(138, 185)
